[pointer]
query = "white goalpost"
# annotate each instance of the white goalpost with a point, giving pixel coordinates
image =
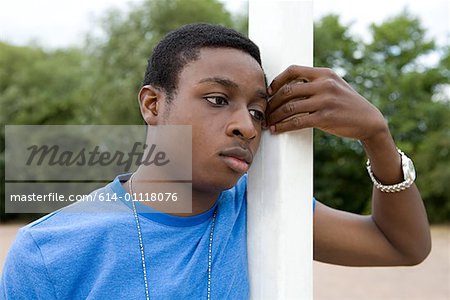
(280, 181)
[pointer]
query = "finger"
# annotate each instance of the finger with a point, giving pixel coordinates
(294, 123)
(292, 91)
(291, 73)
(292, 108)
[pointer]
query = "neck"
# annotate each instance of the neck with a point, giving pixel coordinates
(201, 200)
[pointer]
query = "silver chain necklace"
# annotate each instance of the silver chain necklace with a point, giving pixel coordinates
(141, 244)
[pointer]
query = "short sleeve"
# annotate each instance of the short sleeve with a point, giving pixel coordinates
(25, 275)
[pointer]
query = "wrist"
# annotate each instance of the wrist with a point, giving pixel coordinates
(409, 175)
(379, 139)
(384, 158)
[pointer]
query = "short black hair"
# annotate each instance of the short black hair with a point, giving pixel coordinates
(183, 45)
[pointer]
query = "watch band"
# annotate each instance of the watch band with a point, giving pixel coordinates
(408, 178)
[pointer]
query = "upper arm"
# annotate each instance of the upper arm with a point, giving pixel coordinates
(348, 239)
(24, 274)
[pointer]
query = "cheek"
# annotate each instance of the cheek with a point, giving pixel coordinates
(255, 143)
(202, 143)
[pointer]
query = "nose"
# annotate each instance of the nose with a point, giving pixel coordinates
(242, 125)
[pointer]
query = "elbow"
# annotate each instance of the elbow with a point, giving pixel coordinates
(419, 255)
(422, 255)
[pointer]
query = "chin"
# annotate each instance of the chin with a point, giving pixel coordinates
(215, 183)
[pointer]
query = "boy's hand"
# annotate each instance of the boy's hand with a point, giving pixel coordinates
(304, 97)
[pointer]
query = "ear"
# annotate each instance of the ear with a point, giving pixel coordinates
(149, 99)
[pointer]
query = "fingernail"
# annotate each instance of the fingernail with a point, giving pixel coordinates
(269, 90)
(272, 129)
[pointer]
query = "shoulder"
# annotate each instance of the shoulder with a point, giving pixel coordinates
(76, 225)
(24, 264)
(57, 247)
(82, 228)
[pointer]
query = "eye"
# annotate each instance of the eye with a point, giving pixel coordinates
(216, 100)
(257, 114)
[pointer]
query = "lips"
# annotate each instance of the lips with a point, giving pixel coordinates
(238, 159)
(239, 153)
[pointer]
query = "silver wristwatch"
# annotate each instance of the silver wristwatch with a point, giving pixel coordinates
(409, 175)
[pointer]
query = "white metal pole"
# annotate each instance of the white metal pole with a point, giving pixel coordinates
(281, 178)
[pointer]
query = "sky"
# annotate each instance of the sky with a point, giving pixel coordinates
(62, 23)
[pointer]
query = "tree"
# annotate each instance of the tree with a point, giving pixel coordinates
(37, 87)
(119, 59)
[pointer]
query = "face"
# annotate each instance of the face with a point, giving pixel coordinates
(223, 96)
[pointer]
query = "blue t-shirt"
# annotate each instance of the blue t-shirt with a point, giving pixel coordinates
(90, 250)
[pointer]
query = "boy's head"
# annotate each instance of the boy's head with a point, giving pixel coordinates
(183, 45)
(211, 78)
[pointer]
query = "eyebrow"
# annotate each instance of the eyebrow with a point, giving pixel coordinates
(262, 94)
(222, 81)
(231, 84)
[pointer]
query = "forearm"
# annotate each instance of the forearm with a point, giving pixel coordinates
(400, 216)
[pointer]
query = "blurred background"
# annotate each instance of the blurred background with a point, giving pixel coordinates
(82, 62)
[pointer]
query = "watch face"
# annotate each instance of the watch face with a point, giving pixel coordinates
(408, 169)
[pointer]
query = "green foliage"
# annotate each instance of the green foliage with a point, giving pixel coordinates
(334, 45)
(168, 15)
(119, 60)
(38, 87)
(399, 41)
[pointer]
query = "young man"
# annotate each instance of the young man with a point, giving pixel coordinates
(211, 78)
